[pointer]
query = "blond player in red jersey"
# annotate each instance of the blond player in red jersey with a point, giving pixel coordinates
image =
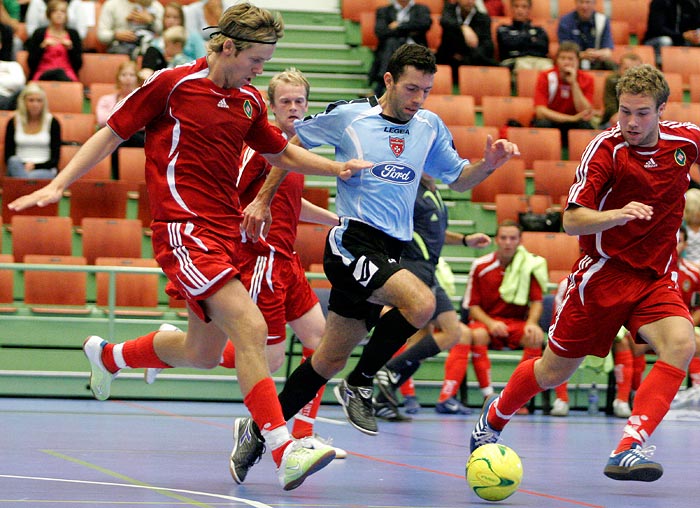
(626, 204)
(197, 119)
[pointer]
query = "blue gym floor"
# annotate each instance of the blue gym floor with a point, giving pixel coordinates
(85, 453)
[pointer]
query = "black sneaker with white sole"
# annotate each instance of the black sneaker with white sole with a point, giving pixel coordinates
(357, 406)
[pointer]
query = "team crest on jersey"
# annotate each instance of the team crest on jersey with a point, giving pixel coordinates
(680, 157)
(397, 145)
(247, 108)
(394, 173)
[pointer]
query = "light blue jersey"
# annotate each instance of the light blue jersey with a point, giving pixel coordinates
(383, 196)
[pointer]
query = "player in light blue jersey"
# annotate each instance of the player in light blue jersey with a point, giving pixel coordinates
(376, 219)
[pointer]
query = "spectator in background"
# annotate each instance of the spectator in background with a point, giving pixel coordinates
(173, 15)
(127, 26)
(504, 297)
(691, 220)
(33, 137)
(466, 37)
(591, 31)
(564, 94)
(174, 39)
(522, 45)
(7, 53)
(12, 80)
(126, 82)
(610, 101)
(55, 51)
(672, 23)
(37, 17)
(400, 22)
(201, 15)
(491, 7)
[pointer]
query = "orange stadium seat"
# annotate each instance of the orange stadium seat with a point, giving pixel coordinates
(101, 171)
(63, 96)
(508, 179)
(536, 143)
(496, 111)
(110, 237)
(453, 109)
(682, 59)
(367, 23)
(100, 68)
(97, 198)
(442, 84)
(470, 141)
(682, 112)
(553, 178)
(76, 127)
(45, 287)
(33, 234)
(479, 80)
(133, 290)
(635, 12)
(578, 141)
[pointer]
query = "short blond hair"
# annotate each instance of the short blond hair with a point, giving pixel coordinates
(246, 24)
(691, 212)
(291, 76)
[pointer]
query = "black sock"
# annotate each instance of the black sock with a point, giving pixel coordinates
(389, 335)
(301, 387)
(407, 363)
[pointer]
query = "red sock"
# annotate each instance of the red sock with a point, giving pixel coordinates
(640, 365)
(562, 391)
(624, 368)
(228, 357)
(136, 353)
(408, 388)
(264, 407)
(651, 403)
(694, 371)
(521, 387)
(482, 365)
(455, 370)
(305, 419)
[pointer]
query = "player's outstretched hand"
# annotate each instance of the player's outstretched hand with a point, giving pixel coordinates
(353, 166)
(48, 194)
(499, 152)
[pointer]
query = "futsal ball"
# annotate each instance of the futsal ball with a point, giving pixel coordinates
(494, 472)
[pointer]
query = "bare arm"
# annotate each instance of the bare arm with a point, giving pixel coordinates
(474, 240)
(496, 154)
(585, 221)
(99, 146)
(316, 214)
(256, 216)
(300, 160)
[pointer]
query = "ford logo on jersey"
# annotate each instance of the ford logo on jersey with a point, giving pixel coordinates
(394, 173)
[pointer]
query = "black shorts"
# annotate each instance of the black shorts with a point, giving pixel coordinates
(358, 260)
(425, 271)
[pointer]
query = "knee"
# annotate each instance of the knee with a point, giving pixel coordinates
(204, 360)
(326, 365)
(422, 312)
(275, 361)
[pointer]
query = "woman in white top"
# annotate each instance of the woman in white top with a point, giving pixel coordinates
(33, 137)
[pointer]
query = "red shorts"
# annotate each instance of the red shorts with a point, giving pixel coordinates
(601, 299)
(279, 288)
(196, 260)
(516, 330)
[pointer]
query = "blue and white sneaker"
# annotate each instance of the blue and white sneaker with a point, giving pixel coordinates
(634, 465)
(411, 404)
(483, 433)
(452, 406)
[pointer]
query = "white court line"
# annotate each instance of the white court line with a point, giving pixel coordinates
(248, 502)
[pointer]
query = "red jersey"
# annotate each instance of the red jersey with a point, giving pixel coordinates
(285, 206)
(612, 174)
(485, 278)
(689, 283)
(195, 133)
(556, 94)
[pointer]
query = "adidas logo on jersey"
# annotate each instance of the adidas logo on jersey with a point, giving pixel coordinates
(651, 164)
(222, 104)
